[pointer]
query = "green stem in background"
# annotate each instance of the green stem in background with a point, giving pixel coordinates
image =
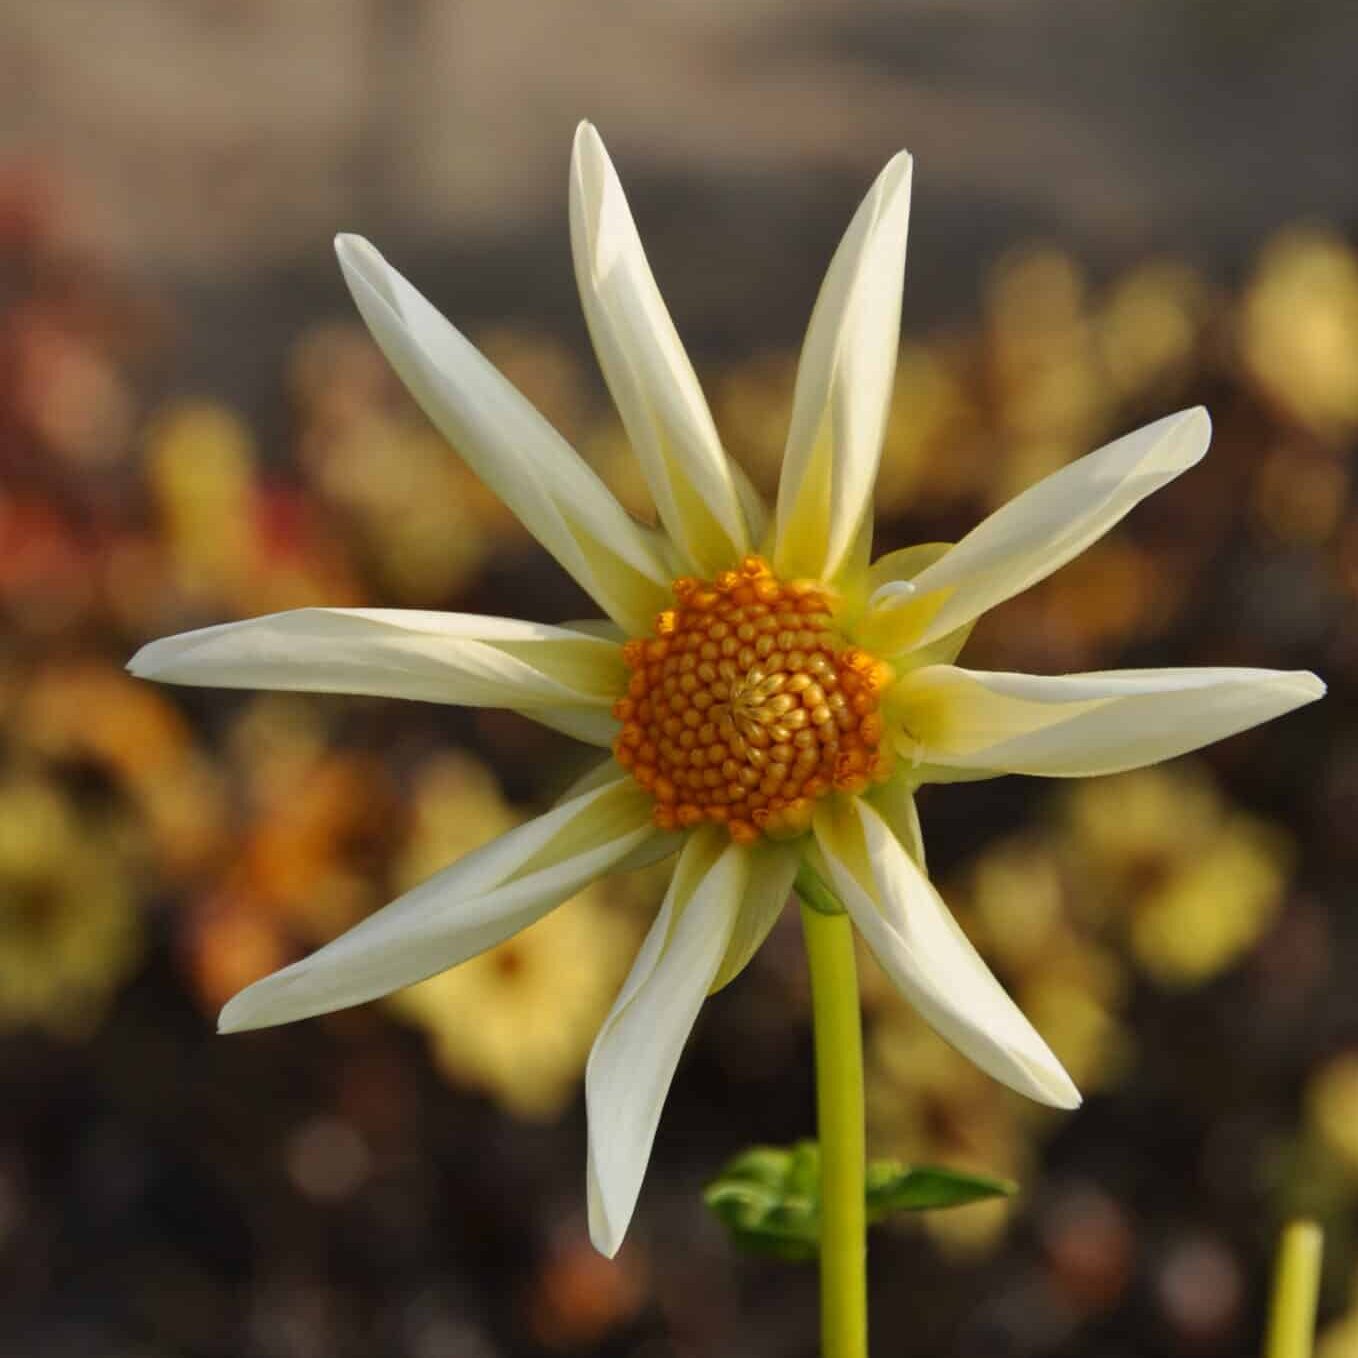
(839, 1114)
(1296, 1287)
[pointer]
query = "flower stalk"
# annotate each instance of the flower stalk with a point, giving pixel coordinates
(839, 1116)
(1296, 1289)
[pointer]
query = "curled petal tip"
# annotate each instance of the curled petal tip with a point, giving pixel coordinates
(587, 142)
(1309, 686)
(604, 1242)
(358, 255)
(150, 660)
(1198, 422)
(891, 591)
(895, 179)
(1063, 1094)
(235, 1016)
(244, 1012)
(902, 163)
(1048, 1082)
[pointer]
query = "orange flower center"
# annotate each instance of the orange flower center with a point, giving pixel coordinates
(745, 705)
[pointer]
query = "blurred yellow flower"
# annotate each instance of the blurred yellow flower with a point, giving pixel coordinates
(230, 534)
(1080, 995)
(1213, 908)
(1197, 882)
(1042, 366)
(516, 1022)
(1299, 329)
(927, 1105)
(70, 931)
(90, 710)
(1149, 329)
(1332, 1106)
(200, 466)
(426, 523)
(1131, 826)
(1300, 493)
(319, 816)
(457, 806)
(1340, 1338)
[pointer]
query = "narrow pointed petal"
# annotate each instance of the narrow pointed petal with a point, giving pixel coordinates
(460, 658)
(649, 374)
(638, 1048)
(476, 903)
(1077, 725)
(771, 870)
(843, 391)
(919, 945)
(509, 444)
(1043, 528)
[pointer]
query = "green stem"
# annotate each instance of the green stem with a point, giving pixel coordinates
(1296, 1287)
(839, 1113)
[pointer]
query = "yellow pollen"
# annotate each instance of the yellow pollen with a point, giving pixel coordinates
(745, 705)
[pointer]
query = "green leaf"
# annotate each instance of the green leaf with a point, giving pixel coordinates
(893, 1187)
(768, 1197)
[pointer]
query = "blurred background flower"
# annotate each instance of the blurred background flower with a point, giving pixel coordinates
(518, 1021)
(193, 428)
(70, 927)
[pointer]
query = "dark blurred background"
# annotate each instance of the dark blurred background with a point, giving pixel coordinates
(1120, 209)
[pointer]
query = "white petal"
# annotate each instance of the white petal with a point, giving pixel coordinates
(843, 391)
(476, 903)
(638, 1048)
(772, 867)
(919, 945)
(1074, 725)
(647, 370)
(460, 658)
(1046, 526)
(510, 446)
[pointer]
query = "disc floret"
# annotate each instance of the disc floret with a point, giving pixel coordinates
(745, 705)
